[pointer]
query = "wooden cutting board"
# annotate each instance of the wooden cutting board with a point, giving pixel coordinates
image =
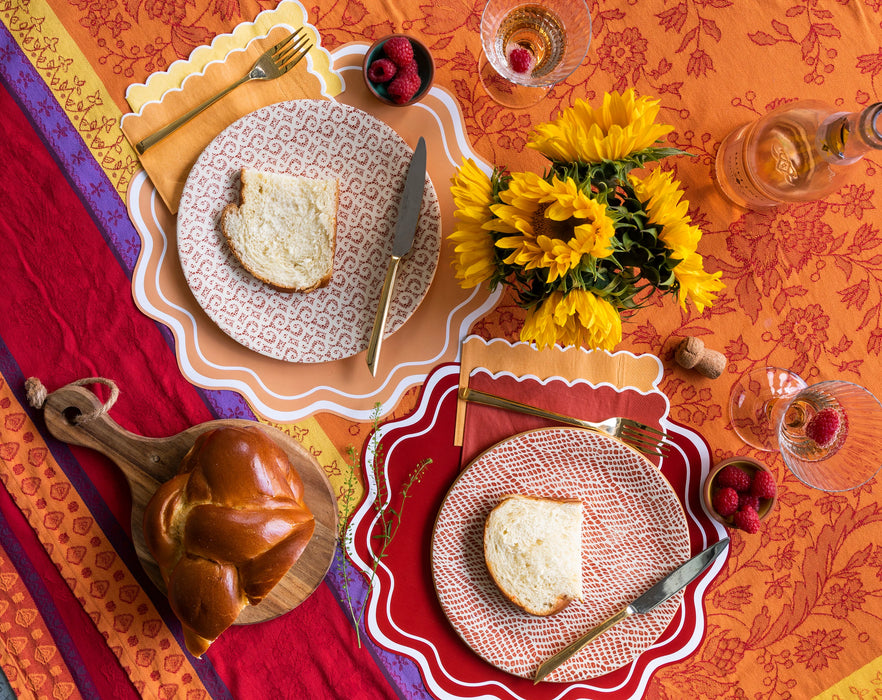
(149, 462)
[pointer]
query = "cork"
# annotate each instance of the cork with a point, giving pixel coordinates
(692, 354)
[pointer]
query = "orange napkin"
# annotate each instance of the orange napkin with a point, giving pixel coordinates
(188, 84)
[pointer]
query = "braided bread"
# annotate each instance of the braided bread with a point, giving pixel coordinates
(226, 529)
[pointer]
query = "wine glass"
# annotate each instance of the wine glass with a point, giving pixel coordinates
(530, 45)
(828, 433)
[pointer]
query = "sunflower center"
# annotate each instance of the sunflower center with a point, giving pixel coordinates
(561, 230)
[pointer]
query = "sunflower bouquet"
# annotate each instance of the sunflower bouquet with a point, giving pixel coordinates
(589, 241)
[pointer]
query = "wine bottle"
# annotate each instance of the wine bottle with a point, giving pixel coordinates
(796, 153)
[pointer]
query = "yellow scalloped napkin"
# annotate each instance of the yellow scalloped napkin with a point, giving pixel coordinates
(167, 95)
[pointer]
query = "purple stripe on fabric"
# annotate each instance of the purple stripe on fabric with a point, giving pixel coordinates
(90, 183)
(228, 404)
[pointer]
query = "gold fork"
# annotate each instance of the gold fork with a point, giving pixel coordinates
(275, 62)
(646, 439)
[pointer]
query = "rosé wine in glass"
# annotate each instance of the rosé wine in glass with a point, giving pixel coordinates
(530, 46)
(828, 432)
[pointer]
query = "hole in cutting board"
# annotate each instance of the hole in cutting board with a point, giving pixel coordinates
(71, 414)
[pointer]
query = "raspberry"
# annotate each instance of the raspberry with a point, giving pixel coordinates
(747, 519)
(747, 500)
(823, 426)
(763, 485)
(725, 501)
(409, 68)
(405, 85)
(399, 50)
(732, 476)
(382, 70)
(520, 60)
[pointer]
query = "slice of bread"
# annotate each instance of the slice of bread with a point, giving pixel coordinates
(533, 550)
(284, 229)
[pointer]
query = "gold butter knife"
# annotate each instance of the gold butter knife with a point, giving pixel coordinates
(674, 582)
(405, 230)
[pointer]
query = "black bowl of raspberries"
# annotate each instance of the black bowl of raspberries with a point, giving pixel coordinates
(740, 493)
(398, 70)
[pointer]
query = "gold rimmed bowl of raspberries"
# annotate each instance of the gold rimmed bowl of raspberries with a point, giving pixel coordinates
(740, 492)
(398, 70)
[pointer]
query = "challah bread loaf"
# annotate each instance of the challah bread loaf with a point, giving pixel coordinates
(533, 550)
(226, 529)
(284, 229)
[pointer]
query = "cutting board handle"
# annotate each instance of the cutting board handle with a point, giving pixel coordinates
(64, 411)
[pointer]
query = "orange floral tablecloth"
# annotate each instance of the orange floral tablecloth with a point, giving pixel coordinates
(794, 612)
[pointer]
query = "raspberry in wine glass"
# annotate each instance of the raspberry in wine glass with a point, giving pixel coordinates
(827, 432)
(530, 46)
(539, 33)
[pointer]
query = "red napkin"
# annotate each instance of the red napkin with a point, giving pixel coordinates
(485, 425)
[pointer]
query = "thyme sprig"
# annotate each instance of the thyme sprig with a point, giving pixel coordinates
(388, 518)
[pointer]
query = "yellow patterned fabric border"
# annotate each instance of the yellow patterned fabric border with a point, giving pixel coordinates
(78, 89)
(341, 473)
(288, 12)
(864, 683)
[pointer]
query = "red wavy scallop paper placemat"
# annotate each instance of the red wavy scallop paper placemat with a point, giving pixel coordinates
(403, 612)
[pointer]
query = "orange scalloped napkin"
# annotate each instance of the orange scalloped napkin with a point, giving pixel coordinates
(620, 370)
(208, 71)
(571, 381)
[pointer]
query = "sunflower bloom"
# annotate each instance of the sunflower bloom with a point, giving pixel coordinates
(624, 125)
(663, 199)
(577, 318)
(473, 251)
(695, 284)
(553, 225)
(587, 239)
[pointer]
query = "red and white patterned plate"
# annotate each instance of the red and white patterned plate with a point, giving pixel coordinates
(634, 533)
(320, 139)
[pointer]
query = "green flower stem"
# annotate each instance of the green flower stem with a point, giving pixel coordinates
(388, 518)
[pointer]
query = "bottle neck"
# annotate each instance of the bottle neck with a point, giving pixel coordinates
(848, 136)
